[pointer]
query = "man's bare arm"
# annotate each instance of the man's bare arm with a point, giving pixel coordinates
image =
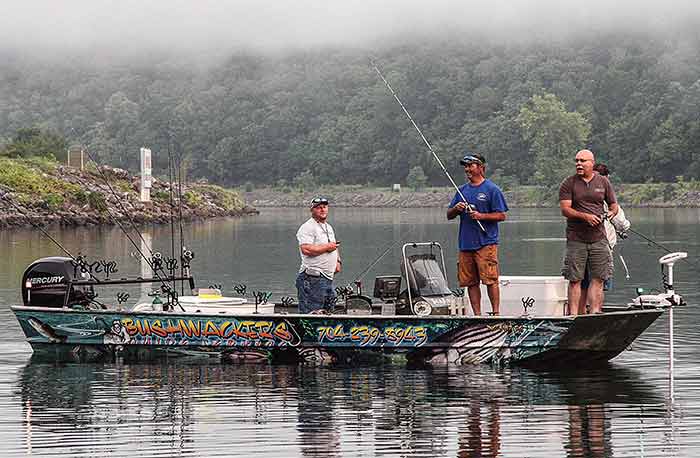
(309, 249)
(493, 216)
(456, 210)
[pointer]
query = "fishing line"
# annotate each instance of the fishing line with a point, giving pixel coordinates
(124, 211)
(367, 269)
(4, 196)
(164, 284)
(661, 246)
(182, 237)
(171, 175)
(424, 139)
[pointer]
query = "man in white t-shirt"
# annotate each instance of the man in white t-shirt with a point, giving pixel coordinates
(320, 260)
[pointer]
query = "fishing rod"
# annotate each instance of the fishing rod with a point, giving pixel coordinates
(166, 288)
(182, 237)
(444, 170)
(119, 202)
(164, 284)
(171, 174)
(376, 260)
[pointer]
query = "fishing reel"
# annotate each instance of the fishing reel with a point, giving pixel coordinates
(669, 298)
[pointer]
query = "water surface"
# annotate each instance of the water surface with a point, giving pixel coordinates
(182, 407)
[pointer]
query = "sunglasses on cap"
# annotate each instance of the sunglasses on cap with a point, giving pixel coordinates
(469, 159)
(319, 201)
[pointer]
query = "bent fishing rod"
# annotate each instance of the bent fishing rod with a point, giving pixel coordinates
(444, 170)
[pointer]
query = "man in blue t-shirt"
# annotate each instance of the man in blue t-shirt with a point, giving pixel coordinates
(478, 248)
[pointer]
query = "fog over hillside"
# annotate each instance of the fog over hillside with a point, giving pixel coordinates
(46, 28)
(280, 92)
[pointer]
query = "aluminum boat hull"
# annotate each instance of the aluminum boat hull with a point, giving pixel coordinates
(549, 340)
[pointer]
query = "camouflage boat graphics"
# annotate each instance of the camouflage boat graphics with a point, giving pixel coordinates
(330, 338)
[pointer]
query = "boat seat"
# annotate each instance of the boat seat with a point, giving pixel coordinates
(416, 280)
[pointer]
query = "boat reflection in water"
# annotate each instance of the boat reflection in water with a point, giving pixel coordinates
(299, 410)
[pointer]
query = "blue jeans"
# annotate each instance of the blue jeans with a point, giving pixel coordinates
(314, 293)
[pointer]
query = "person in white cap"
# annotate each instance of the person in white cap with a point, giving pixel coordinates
(320, 260)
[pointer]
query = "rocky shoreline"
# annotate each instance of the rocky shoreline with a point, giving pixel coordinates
(35, 192)
(109, 196)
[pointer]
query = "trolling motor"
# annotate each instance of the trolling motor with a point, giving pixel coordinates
(665, 299)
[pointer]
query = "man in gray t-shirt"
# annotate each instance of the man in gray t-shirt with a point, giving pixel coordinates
(320, 259)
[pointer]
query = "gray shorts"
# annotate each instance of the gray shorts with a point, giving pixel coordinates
(578, 254)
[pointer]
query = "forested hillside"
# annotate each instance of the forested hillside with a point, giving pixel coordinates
(325, 117)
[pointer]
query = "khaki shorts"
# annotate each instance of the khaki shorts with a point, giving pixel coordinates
(596, 254)
(480, 265)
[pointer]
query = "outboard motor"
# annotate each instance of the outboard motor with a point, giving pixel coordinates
(47, 282)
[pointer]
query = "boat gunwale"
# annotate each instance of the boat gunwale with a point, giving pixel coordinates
(658, 311)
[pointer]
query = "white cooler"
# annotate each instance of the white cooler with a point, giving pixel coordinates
(549, 294)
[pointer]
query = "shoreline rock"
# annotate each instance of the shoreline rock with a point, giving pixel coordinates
(86, 200)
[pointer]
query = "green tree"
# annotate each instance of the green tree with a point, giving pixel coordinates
(121, 122)
(554, 135)
(33, 141)
(305, 181)
(416, 178)
(669, 150)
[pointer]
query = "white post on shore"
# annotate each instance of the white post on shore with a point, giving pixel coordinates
(145, 175)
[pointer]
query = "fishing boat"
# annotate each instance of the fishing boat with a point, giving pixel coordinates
(424, 321)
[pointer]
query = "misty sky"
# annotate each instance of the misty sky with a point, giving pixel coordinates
(48, 27)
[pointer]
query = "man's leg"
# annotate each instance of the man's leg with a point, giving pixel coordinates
(574, 295)
(328, 293)
(600, 262)
(495, 297)
(487, 263)
(301, 293)
(583, 302)
(309, 293)
(475, 298)
(468, 276)
(595, 295)
(574, 270)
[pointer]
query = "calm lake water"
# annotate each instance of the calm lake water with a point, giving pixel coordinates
(182, 407)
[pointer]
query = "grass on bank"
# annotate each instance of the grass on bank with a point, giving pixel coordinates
(32, 180)
(36, 181)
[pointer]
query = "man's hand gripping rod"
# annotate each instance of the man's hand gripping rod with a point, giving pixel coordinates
(469, 207)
